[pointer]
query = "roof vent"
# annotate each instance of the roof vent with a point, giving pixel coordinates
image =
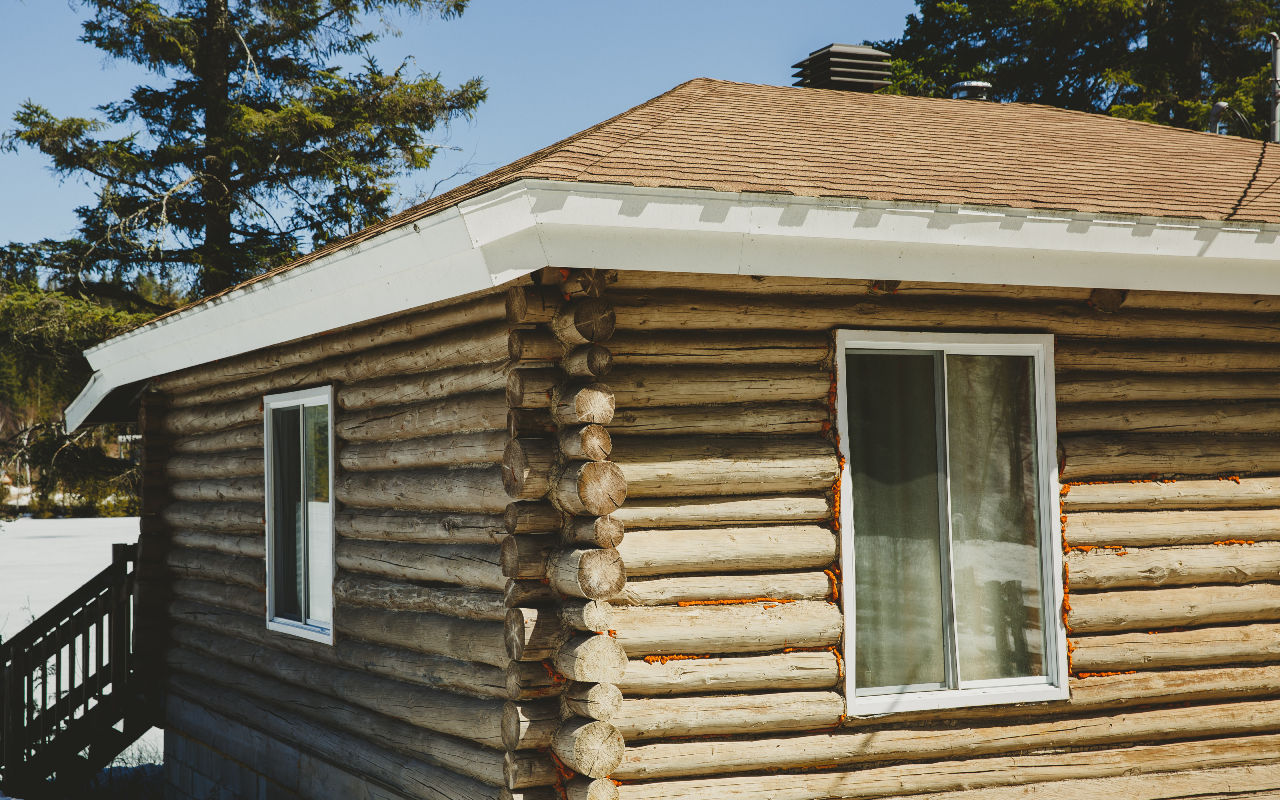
(851, 67)
(970, 90)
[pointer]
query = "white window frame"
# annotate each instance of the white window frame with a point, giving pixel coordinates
(315, 630)
(1053, 685)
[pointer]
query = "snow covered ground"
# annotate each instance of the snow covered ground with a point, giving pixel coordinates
(44, 560)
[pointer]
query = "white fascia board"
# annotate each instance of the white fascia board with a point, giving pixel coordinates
(409, 266)
(513, 230)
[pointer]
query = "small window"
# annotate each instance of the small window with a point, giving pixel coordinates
(299, 476)
(949, 521)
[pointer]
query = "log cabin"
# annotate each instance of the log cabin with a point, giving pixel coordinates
(755, 443)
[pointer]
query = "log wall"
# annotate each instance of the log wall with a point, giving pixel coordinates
(586, 544)
(730, 616)
(419, 696)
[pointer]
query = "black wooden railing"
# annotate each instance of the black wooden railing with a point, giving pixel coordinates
(67, 705)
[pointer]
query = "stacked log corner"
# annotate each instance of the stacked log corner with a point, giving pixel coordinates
(151, 582)
(561, 554)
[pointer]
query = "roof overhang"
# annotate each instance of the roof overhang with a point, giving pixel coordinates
(513, 230)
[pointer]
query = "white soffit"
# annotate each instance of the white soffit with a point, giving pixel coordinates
(511, 231)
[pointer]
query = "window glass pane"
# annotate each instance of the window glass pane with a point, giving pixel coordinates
(893, 449)
(995, 515)
(287, 526)
(319, 519)
(317, 428)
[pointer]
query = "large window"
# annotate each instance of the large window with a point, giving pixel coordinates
(299, 470)
(949, 520)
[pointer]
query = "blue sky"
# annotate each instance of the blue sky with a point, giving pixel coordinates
(553, 67)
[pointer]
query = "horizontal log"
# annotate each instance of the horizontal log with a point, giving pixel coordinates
(1104, 568)
(247, 545)
(1023, 774)
(587, 361)
(409, 526)
(203, 466)
(1256, 781)
(467, 602)
(1147, 455)
(746, 628)
(230, 490)
(228, 660)
(526, 467)
(591, 658)
(576, 404)
(532, 423)
(477, 490)
(212, 418)
(249, 600)
(483, 344)
(691, 512)
(1144, 387)
(765, 548)
(646, 387)
(698, 310)
(421, 387)
(534, 634)
(530, 726)
(583, 321)
(587, 615)
(591, 701)
(712, 348)
(643, 280)
(515, 681)
(532, 517)
(588, 747)
(657, 760)
(604, 531)
(592, 488)
(1155, 528)
(466, 413)
(1183, 358)
(1200, 647)
(526, 557)
(531, 387)
(779, 419)
(728, 715)
(471, 565)
(222, 441)
(819, 669)
(450, 450)
(719, 588)
(221, 517)
(416, 325)
(1169, 495)
(678, 467)
(591, 573)
(527, 346)
(1163, 418)
(205, 565)
(633, 280)
(585, 443)
(528, 594)
(587, 789)
(532, 305)
(1173, 608)
(407, 775)
(433, 634)
(1202, 301)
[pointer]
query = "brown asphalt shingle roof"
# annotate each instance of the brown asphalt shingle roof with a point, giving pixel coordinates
(732, 137)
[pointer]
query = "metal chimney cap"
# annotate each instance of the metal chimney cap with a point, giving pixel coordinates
(970, 90)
